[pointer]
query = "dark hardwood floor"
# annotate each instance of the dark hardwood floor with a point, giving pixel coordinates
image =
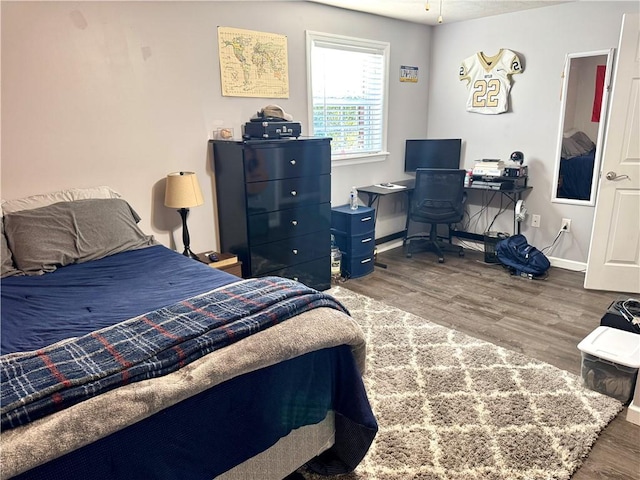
(544, 319)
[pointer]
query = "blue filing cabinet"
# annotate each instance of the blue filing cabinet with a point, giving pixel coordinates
(354, 232)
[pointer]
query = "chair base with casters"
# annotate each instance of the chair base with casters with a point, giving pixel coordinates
(431, 243)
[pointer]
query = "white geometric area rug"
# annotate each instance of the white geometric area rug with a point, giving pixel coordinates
(452, 407)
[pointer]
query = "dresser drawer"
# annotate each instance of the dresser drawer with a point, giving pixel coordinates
(288, 160)
(353, 222)
(289, 251)
(315, 274)
(263, 197)
(269, 227)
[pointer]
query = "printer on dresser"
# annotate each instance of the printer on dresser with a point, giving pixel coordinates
(274, 209)
(354, 233)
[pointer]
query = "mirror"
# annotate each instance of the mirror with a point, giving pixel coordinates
(585, 92)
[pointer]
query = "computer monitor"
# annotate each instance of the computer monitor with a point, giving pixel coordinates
(432, 153)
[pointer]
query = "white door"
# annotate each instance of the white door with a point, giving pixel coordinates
(614, 256)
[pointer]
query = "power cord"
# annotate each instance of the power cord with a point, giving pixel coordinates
(548, 247)
(629, 309)
(560, 232)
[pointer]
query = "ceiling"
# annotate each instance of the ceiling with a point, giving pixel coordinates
(452, 10)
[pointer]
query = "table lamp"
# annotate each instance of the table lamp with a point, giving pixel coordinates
(183, 192)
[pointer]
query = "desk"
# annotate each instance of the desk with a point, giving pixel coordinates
(374, 193)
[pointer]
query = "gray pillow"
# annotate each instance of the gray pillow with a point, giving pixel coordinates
(8, 268)
(583, 141)
(577, 144)
(45, 238)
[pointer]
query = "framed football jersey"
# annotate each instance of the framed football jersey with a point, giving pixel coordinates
(489, 80)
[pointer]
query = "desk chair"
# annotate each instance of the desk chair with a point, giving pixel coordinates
(438, 199)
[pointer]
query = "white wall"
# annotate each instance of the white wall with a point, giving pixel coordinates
(542, 37)
(585, 90)
(122, 93)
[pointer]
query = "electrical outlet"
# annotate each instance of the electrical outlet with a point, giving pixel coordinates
(566, 225)
(535, 221)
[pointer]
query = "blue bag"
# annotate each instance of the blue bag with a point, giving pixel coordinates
(520, 258)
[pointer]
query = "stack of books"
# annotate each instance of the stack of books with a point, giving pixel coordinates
(488, 168)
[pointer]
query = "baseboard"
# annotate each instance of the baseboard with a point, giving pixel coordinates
(633, 414)
(387, 243)
(568, 264)
(383, 247)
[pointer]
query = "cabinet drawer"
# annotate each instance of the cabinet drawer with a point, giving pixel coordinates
(288, 160)
(315, 274)
(355, 267)
(289, 251)
(353, 222)
(273, 226)
(355, 245)
(263, 197)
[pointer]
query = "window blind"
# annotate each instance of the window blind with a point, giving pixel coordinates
(348, 89)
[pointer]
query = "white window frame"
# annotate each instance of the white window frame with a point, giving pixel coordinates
(328, 40)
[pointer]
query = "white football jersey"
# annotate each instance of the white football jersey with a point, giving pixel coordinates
(488, 80)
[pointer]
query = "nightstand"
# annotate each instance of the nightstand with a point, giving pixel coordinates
(226, 262)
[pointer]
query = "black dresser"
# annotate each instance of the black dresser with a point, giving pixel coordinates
(274, 206)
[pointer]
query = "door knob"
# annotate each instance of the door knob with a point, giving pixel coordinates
(614, 176)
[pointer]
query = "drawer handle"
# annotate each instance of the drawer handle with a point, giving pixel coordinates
(293, 193)
(295, 251)
(366, 260)
(366, 240)
(292, 162)
(294, 222)
(295, 278)
(365, 219)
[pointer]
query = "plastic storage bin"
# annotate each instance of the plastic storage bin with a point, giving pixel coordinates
(610, 362)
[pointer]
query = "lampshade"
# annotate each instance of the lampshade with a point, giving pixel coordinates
(183, 190)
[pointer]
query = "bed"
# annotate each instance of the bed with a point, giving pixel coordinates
(124, 359)
(577, 161)
(576, 174)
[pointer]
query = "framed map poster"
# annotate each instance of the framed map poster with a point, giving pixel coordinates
(253, 64)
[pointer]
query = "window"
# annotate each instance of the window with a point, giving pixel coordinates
(347, 88)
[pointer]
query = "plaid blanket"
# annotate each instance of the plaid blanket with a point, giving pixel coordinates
(35, 384)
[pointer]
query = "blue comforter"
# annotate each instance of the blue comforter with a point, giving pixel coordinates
(78, 299)
(41, 382)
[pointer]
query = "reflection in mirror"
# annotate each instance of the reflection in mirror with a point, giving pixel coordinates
(582, 119)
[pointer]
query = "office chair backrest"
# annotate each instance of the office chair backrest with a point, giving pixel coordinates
(438, 196)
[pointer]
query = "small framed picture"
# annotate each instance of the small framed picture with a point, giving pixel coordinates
(408, 74)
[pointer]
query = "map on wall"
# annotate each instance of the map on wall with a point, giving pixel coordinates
(253, 64)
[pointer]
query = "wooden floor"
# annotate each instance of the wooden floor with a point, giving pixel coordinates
(544, 319)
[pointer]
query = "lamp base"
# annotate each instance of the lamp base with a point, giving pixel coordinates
(184, 212)
(188, 253)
